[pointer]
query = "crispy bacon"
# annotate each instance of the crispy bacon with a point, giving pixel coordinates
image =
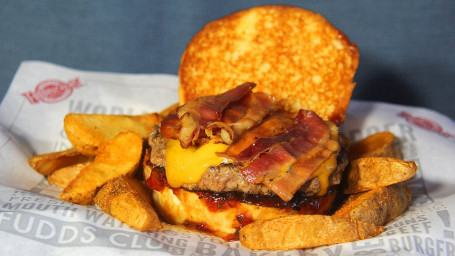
(236, 111)
(286, 161)
(280, 149)
(275, 124)
(170, 127)
(260, 105)
(227, 115)
(197, 114)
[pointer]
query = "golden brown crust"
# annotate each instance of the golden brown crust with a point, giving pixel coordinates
(117, 157)
(378, 206)
(63, 176)
(128, 200)
(381, 144)
(181, 207)
(291, 53)
(87, 132)
(48, 163)
(368, 173)
(305, 231)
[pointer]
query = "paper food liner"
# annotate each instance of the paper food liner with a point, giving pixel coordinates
(34, 221)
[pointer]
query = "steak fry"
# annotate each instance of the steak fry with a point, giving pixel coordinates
(48, 163)
(378, 206)
(305, 231)
(372, 172)
(381, 144)
(119, 156)
(87, 132)
(127, 200)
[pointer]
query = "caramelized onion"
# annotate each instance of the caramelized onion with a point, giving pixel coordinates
(225, 132)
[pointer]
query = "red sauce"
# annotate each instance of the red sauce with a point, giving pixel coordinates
(204, 228)
(301, 203)
(201, 227)
(244, 219)
(218, 201)
(232, 237)
(157, 180)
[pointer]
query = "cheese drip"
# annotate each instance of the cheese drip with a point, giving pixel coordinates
(323, 174)
(188, 165)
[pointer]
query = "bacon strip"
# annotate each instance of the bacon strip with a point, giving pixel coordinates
(279, 149)
(197, 114)
(260, 105)
(236, 111)
(228, 115)
(286, 161)
(170, 127)
(273, 125)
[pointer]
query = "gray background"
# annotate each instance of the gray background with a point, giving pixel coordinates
(407, 47)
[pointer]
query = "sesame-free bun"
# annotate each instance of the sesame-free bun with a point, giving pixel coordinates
(223, 215)
(186, 208)
(182, 207)
(291, 53)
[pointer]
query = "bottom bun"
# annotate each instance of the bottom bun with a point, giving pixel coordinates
(223, 214)
(181, 207)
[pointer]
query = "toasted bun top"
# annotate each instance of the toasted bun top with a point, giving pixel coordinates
(291, 53)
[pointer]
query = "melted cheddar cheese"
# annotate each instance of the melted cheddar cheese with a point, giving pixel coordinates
(188, 165)
(323, 174)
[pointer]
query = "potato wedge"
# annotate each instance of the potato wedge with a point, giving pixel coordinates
(378, 206)
(380, 144)
(372, 172)
(88, 131)
(305, 231)
(62, 177)
(49, 162)
(127, 200)
(119, 156)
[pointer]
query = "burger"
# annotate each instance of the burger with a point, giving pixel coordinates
(223, 161)
(263, 94)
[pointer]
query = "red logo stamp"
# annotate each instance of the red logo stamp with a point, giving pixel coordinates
(425, 124)
(52, 91)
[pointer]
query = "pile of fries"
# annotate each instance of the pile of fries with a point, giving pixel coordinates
(375, 193)
(105, 162)
(102, 166)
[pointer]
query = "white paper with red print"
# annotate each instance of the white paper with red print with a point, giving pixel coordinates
(34, 221)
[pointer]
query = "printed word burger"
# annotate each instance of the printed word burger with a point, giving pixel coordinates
(263, 93)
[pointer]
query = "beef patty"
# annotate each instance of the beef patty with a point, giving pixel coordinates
(228, 177)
